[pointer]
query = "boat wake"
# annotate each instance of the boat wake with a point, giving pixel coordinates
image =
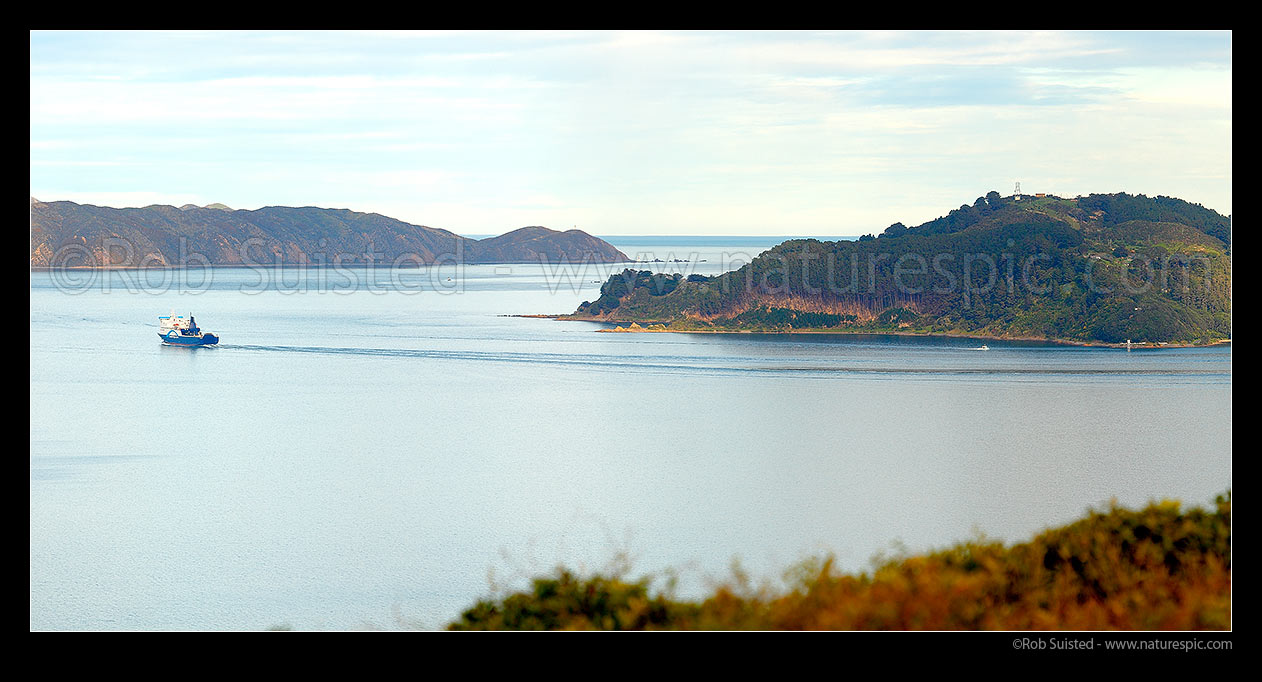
(693, 364)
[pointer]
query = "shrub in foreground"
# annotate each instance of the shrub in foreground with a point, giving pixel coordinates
(1160, 567)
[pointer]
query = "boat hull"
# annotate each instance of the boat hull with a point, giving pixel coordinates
(177, 339)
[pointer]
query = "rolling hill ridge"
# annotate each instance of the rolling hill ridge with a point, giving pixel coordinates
(66, 234)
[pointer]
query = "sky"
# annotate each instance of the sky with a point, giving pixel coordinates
(621, 133)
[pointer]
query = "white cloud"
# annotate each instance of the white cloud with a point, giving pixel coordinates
(681, 130)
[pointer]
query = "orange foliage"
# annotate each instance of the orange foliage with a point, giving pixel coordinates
(1158, 568)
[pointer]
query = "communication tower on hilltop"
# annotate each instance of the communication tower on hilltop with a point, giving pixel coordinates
(1017, 192)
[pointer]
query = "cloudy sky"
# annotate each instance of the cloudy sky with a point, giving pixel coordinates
(747, 133)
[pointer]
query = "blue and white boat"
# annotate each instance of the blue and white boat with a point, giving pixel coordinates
(177, 330)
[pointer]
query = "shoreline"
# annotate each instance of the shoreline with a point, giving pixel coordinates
(315, 266)
(644, 329)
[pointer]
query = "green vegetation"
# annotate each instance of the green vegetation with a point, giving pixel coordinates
(1103, 268)
(1155, 568)
(787, 318)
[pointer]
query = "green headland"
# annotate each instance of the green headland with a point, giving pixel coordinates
(1104, 268)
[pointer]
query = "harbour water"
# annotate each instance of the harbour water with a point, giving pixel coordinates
(380, 448)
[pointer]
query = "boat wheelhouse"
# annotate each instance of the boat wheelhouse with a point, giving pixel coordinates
(178, 330)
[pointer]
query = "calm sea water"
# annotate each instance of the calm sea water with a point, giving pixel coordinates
(378, 449)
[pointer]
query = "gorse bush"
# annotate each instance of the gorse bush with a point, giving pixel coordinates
(568, 602)
(1156, 568)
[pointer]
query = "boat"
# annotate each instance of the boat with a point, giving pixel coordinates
(177, 330)
(983, 347)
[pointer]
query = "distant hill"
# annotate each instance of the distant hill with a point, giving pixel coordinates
(64, 233)
(535, 242)
(219, 206)
(1101, 268)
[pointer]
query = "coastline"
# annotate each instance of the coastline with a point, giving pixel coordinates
(643, 328)
(331, 266)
